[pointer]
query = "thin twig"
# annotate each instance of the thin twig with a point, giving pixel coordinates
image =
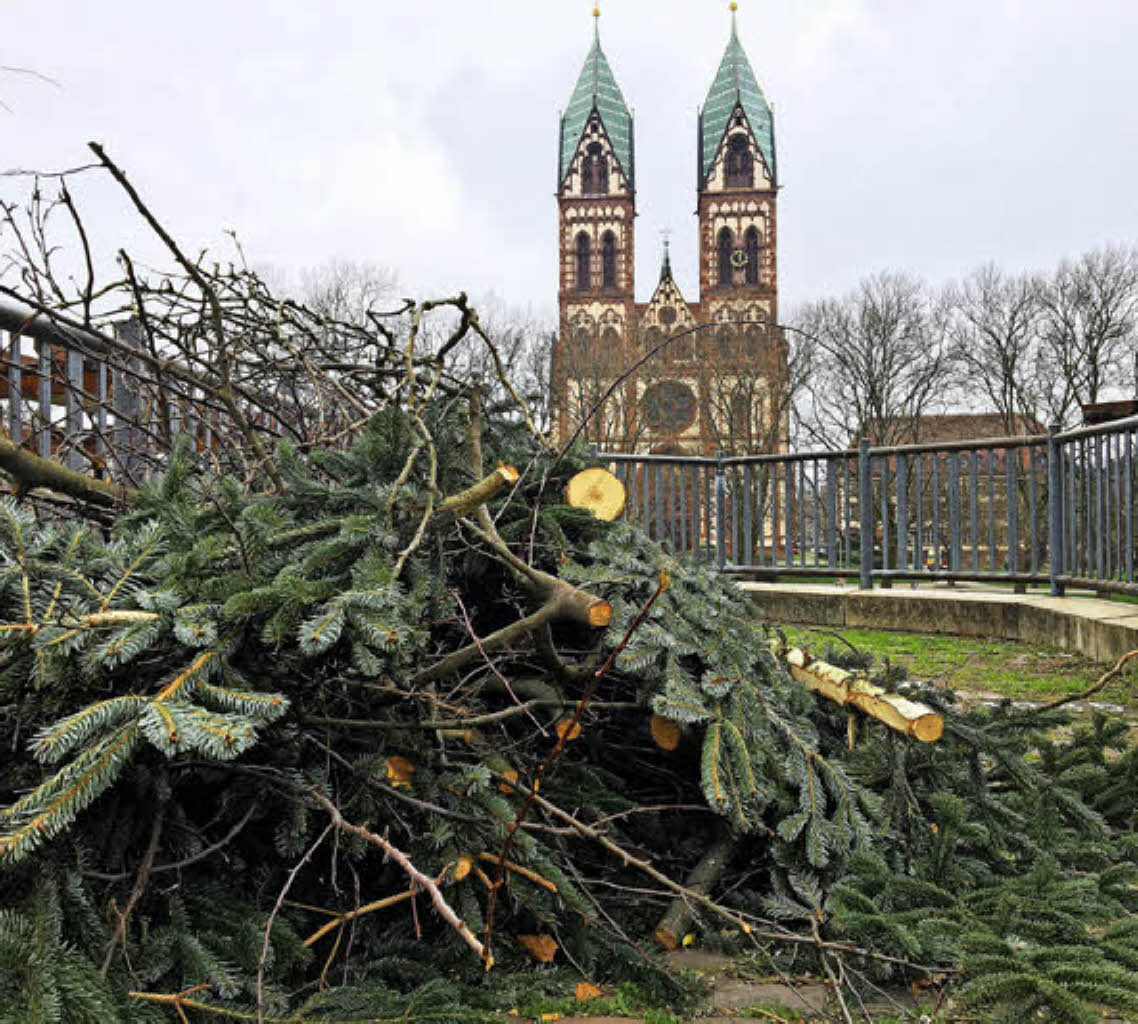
(273, 916)
(424, 882)
(1090, 691)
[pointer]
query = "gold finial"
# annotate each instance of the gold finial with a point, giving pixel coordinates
(596, 12)
(734, 6)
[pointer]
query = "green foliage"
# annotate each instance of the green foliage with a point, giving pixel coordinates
(174, 689)
(1005, 866)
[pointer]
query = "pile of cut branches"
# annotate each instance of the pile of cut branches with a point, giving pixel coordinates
(368, 725)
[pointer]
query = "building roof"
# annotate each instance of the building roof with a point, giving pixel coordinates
(597, 90)
(735, 85)
(969, 426)
(946, 428)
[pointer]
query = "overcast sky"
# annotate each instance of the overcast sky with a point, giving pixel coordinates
(919, 134)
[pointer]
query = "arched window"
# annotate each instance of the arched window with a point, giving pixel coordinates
(596, 171)
(752, 249)
(608, 260)
(725, 248)
(584, 263)
(740, 166)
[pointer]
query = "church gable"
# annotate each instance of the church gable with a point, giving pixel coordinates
(666, 314)
(735, 87)
(597, 97)
(595, 168)
(739, 162)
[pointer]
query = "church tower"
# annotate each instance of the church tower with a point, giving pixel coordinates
(596, 205)
(702, 376)
(737, 182)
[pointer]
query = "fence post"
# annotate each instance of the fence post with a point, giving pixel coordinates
(831, 514)
(1055, 509)
(865, 512)
(126, 438)
(720, 510)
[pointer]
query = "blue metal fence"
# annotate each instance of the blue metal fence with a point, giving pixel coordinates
(1056, 509)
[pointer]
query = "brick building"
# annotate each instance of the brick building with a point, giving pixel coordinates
(717, 388)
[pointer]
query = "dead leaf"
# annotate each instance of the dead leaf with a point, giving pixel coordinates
(542, 948)
(665, 732)
(512, 775)
(463, 867)
(399, 772)
(586, 990)
(567, 729)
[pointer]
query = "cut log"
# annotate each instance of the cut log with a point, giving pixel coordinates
(665, 732)
(598, 490)
(679, 916)
(476, 496)
(845, 688)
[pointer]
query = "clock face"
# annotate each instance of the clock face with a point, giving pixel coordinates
(668, 407)
(667, 316)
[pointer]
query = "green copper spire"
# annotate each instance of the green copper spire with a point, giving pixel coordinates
(735, 85)
(597, 89)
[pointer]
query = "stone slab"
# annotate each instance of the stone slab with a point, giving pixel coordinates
(787, 603)
(927, 613)
(737, 993)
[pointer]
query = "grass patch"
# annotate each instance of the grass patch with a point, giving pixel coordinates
(1011, 668)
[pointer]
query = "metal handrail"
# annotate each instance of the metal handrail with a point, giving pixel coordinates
(1057, 509)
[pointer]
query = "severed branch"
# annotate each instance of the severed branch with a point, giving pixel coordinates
(680, 915)
(475, 497)
(31, 472)
(421, 881)
(499, 638)
(847, 688)
(1110, 674)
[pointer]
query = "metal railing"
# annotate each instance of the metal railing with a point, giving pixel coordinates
(1055, 509)
(103, 405)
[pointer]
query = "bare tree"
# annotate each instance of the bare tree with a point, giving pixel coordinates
(751, 405)
(345, 290)
(588, 372)
(1090, 317)
(993, 325)
(880, 362)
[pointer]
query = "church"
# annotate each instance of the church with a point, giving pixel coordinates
(707, 375)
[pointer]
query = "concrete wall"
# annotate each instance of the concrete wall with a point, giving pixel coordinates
(1102, 630)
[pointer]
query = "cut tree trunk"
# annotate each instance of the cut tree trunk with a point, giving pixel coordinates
(679, 916)
(597, 490)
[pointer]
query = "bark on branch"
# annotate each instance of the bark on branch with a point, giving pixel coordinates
(421, 881)
(847, 688)
(680, 915)
(31, 472)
